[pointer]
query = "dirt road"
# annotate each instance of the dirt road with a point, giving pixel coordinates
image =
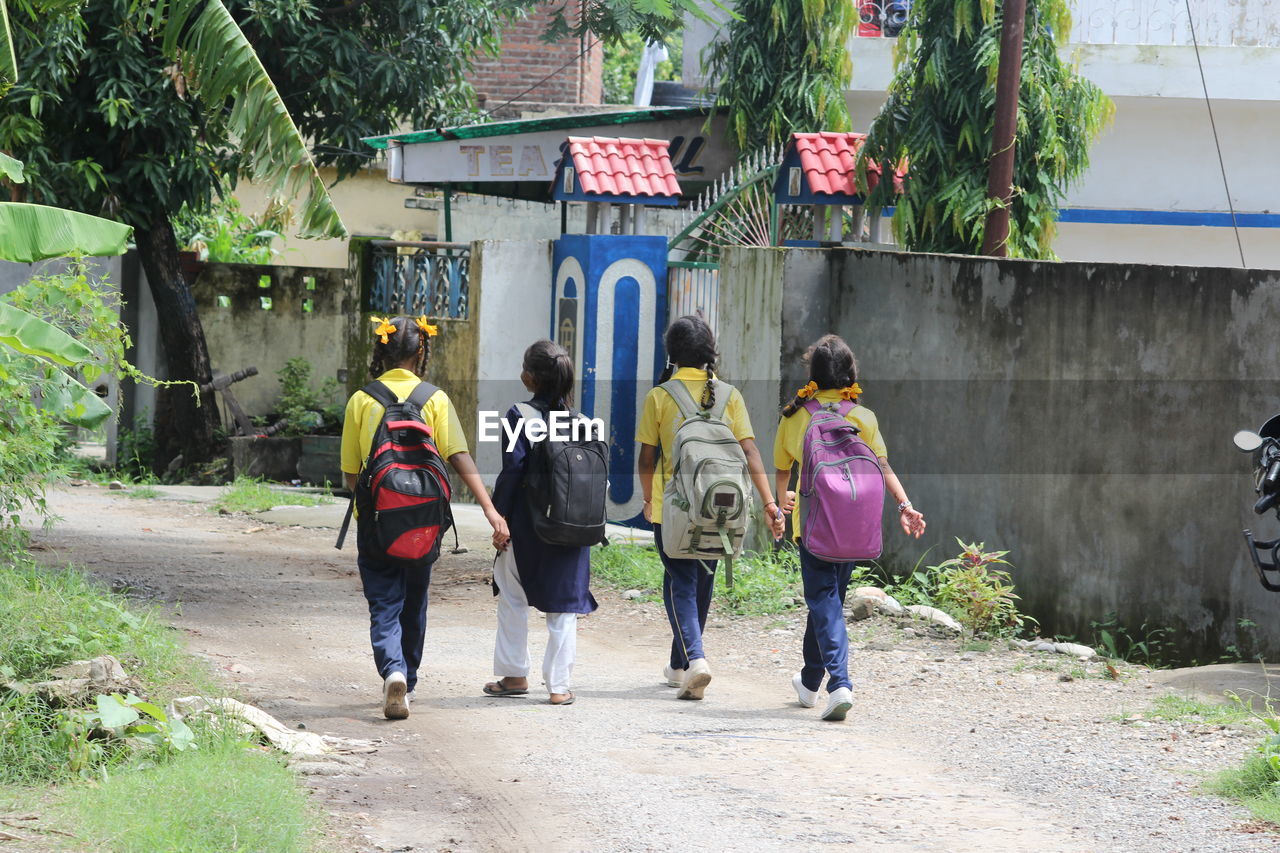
(944, 751)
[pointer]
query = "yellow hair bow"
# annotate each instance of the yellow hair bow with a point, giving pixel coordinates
(853, 392)
(427, 329)
(808, 390)
(385, 328)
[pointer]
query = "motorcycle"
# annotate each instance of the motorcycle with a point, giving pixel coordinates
(1265, 447)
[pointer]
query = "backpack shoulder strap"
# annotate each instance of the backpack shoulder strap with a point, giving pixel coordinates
(380, 392)
(419, 396)
(723, 393)
(528, 410)
(684, 400)
(812, 407)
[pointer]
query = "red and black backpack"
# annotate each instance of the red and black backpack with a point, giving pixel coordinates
(402, 493)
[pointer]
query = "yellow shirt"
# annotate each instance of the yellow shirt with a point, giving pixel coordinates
(364, 413)
(661, 416)
(788, 445)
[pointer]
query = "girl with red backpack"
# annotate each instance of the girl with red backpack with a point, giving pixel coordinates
(427, 430)
(844, 472)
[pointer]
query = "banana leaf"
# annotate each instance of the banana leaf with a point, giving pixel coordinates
(33, 232)
(10, 169)
(74, 403)
(29, 334)
(223, 66)
(8, 60)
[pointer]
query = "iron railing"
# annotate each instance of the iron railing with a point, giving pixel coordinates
(418, 277)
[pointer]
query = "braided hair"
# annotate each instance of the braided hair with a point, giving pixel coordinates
(552, 371)
(691, 343)
(408, 341)
(831, 365)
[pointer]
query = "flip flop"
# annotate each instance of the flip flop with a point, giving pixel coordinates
(503, 690)
(568, 701)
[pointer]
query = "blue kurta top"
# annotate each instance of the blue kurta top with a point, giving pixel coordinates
(555, 577)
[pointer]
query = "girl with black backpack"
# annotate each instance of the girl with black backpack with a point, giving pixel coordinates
(530, 572)
(395, 575)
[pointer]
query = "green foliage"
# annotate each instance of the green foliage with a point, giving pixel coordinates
(250, 495)
(306, 409)
(939, 117)
(622, 64)
(979, 595)
(612, 20)
(226, 234)
(783, 68)
(51, 322)
(136, 451)
(1177, 707)
(1148, 645)
(33, 232)
(223, 798)
(1256, 783)
(763, 583)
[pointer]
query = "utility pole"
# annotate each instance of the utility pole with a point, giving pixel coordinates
(1008, 83)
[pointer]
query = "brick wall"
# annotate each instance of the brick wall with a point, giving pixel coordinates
(526, 60)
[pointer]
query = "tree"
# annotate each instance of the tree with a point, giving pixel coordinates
(132, 110)
(939, 117)
(783, 67)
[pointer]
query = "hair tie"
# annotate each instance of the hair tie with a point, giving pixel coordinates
(808, 390)
(853, 392)
(427, 329)
(385, 328)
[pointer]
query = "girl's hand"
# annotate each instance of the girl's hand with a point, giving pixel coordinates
(788, 502)
(776, 522)
(501, 535)
(912, 521)
(648, 511)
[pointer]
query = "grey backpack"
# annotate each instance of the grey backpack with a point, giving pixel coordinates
(706, 506)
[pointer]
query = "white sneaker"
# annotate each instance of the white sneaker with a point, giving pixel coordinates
(696, 679)
(806, 697)
(674, 677)
(395, 697)
(839, 704)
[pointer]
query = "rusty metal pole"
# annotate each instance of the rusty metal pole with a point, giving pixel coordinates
(995, 235)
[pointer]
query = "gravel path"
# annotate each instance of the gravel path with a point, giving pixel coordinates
(945, 750)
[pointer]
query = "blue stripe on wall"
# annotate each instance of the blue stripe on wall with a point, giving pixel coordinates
(622, 413)
(1210, 218)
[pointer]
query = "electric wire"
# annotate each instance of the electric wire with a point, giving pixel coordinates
(1235, 226)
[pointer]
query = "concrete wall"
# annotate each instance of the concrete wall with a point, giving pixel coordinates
(241, 332)
(1078, 414)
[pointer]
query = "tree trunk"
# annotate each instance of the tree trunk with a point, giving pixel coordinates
(182, 427)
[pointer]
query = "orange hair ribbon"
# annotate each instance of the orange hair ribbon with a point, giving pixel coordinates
(808, 390)
(427, 329)
(385, 328)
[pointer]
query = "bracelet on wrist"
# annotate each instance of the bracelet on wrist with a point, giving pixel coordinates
(904, 505)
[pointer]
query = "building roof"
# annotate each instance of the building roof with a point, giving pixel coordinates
(624, 167)
(502, 128)
(828, 161)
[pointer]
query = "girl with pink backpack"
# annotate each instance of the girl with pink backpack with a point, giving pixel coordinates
(844, 473)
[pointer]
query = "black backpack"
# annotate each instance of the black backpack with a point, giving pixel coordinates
(403, 489)
(565, 484)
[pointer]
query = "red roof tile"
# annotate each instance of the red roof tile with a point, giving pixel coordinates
(828, 160)
(625, 167)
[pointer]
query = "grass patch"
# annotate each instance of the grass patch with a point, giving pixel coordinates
(226, 798)
(110, 795)
(1175, 707)
(249, 495)
(763, 583)
(143, 492)
(1254, 784)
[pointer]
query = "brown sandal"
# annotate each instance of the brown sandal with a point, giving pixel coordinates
(568, 700)
(499, 688)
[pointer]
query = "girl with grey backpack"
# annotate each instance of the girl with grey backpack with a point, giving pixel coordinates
(696, 437)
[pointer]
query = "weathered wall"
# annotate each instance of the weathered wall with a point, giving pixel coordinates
(1078, 414)
(513, 281)
(242, 332)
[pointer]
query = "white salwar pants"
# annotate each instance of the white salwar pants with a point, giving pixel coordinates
(511, 651)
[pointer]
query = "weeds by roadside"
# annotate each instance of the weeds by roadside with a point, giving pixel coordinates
(1256, 783)
(1177, 707)
(250, 495)
(153, 783)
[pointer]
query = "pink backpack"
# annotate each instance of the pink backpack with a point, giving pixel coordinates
(843, 488)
